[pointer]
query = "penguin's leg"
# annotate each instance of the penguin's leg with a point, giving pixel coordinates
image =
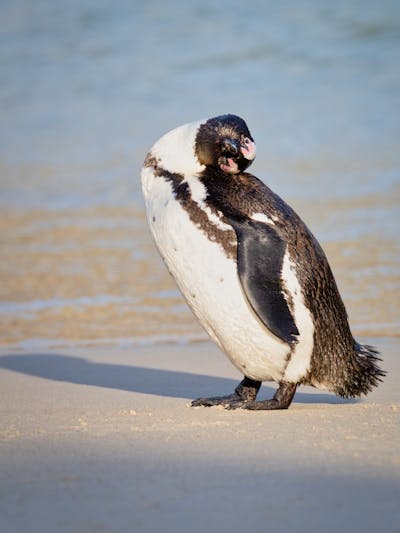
(246, 391)
(282, 399)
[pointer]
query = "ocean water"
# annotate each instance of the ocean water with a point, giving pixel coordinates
(87, 87)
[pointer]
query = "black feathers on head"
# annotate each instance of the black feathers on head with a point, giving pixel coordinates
(221, 139)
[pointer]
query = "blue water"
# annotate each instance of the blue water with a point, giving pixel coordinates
(87, 86)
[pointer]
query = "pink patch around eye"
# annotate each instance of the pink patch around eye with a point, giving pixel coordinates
(248, 149)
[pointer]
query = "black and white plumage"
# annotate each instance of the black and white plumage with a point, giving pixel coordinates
(249, 268)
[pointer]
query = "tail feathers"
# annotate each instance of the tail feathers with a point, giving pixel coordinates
(362, 373)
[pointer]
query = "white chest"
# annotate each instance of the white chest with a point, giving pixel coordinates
(208, 279)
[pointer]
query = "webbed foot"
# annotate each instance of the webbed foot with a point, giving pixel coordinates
(245, 395)
(217, 400)
(282, 399)
(246, 391)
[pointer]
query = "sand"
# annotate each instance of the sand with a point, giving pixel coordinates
(93, 274)
(103, 439)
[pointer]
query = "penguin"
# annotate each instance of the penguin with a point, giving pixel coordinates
(249, 268)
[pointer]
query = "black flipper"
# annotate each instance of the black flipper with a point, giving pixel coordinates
(260, 259)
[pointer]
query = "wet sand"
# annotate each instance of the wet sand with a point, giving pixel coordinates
(103, 440)
(93, 275)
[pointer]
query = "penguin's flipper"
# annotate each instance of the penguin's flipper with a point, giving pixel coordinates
(260, 258)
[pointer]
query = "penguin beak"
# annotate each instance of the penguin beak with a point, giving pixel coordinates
(230, 151)
(230, 147)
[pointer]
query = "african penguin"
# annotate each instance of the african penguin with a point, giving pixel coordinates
(249, 268)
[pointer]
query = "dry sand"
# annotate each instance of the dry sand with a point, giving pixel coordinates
(102, 440)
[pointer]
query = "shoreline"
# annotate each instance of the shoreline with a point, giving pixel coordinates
(94, 273)
(101, 439)
(168, 340)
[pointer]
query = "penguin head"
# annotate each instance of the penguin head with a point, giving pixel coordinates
(225, 143)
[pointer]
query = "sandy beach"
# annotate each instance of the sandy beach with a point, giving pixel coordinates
(103, 440)
(99, 354)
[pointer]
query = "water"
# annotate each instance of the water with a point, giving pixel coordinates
(86, 88)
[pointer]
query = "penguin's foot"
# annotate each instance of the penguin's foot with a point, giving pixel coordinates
(245, 392)
(281, 400)
(218, 400)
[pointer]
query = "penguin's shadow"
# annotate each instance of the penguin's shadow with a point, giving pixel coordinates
(168, 383)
